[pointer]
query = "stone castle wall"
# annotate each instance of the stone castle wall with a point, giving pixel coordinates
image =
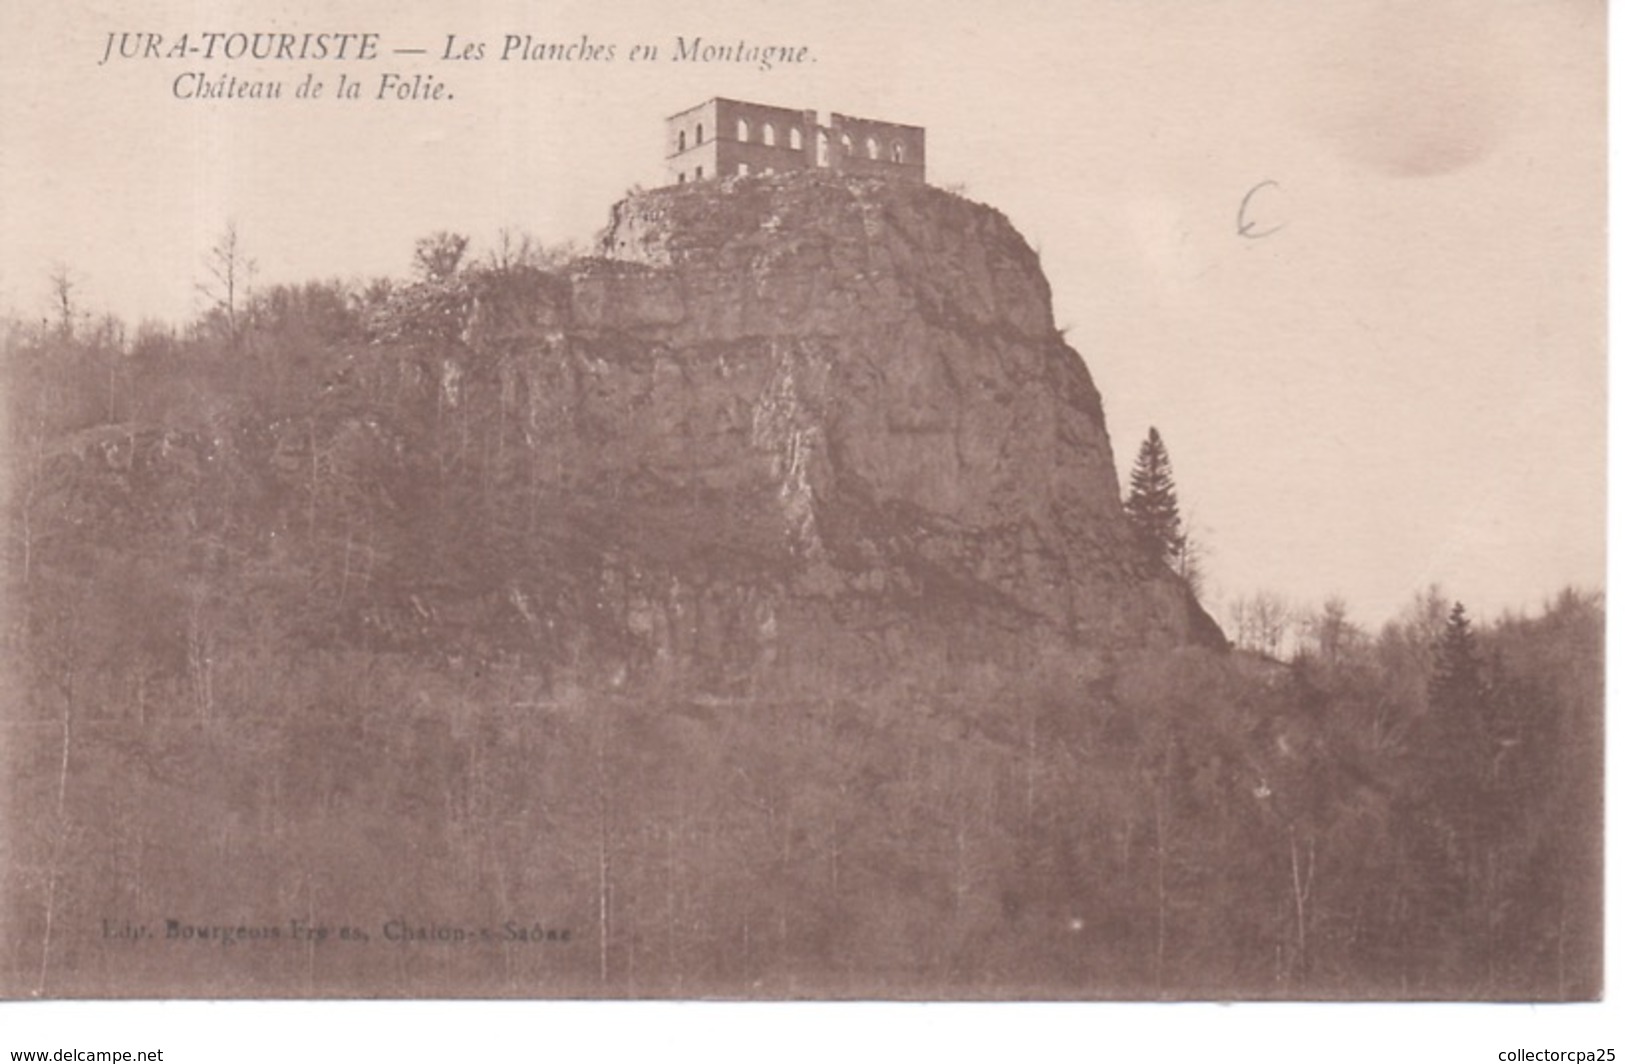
(725, 138)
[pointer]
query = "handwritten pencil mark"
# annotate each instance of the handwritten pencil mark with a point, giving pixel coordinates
(1247, 227)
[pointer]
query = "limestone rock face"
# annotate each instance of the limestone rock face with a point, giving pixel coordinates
(840, 414)
(796, 435)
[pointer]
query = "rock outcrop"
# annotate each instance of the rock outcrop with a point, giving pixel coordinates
(869, 376)
(784, 434)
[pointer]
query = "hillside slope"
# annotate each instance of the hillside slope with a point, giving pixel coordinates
(744, 610)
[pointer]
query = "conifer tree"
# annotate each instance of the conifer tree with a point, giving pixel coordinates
(1458, 677)
(1153, 505)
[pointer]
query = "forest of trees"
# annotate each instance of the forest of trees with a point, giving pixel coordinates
(1474, 743)
(218, 542)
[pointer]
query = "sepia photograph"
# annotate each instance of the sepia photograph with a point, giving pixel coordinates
(893, 502)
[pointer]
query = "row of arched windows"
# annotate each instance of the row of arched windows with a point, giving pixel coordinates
(699, 137)
(871, 146)
(770, 135)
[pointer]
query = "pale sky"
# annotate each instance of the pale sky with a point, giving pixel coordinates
(1404, 383)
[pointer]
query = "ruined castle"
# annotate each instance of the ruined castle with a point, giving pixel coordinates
(722, 138)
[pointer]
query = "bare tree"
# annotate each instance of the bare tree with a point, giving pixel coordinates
(230, 275)
(516, 249)
(1260, 621)
(63, 283)
(437, 257)
(1333, 633)
(1190, 562)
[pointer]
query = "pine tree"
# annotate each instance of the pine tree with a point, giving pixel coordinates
(1458, 672)
(1153, 505)
(1459, 805)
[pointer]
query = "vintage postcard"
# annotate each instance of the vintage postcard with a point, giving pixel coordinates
(906, 501)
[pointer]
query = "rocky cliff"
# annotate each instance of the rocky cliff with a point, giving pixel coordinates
(826, 420)
(800, 430)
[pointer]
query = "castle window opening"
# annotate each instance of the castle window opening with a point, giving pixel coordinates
(795, 138)
(744, 169)
(823, 148)
(769, 137)
(872, 148)
(846, 144)
(699, 173)
(682, 179)
(699, 134)
(682, 141)
(896, 151)
(742, 133)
